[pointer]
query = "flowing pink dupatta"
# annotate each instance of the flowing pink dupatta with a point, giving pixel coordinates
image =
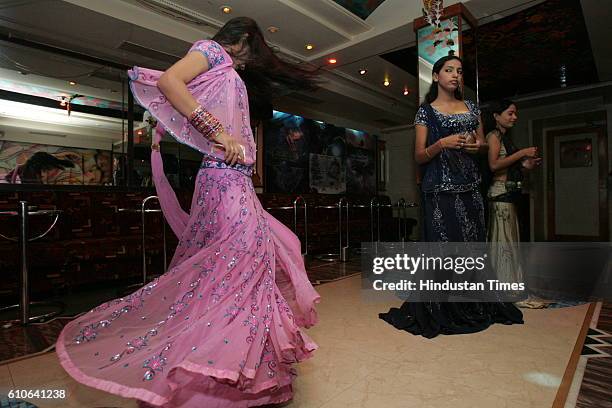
(173, 212)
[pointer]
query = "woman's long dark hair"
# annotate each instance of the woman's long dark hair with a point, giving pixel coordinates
(31, 170)
(265, 75)
(490, 125)
(433, 89)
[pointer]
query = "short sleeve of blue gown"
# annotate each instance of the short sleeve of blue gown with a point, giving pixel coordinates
(421, 117)
(473, 107)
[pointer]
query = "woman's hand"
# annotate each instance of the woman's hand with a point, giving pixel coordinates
(472, 148)
(233, 150)
(529, 152)
(531, 163)
(456, 141)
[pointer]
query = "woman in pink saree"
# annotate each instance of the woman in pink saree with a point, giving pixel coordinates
(222, 327)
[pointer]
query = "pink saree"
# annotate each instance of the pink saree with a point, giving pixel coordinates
(221, 328)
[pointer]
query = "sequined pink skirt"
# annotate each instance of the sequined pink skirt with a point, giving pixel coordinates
(221, 328)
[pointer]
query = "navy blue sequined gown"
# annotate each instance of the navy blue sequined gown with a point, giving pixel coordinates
(453, 211)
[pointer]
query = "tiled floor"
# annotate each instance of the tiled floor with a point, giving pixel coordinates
(364, 362)
(592, 383)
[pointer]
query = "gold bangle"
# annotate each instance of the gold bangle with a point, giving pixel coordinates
(427, 153)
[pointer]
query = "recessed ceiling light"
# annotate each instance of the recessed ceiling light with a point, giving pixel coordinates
(406, 92)
(387, 82)
(273, 29)
(309, 46)
(332, 60)
(363, 71)
(72, 83)
(226, 9)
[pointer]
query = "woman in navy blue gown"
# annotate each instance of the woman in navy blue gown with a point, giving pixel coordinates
(448, 135)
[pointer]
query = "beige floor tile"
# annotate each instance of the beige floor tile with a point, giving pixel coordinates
(504, 366)
(332, 370)
(33, 372)
(45, 372)
(6, 382)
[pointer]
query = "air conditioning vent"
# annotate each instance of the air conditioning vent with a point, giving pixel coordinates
(148, 52)
(108, 75)
(305, 98)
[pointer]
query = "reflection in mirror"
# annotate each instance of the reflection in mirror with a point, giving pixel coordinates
(61, 132)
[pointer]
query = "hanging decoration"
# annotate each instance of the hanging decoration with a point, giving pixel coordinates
(432, 11)
(67, 102)
(441, 32)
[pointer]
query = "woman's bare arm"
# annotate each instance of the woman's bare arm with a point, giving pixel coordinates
(173, 82)
(495, 163)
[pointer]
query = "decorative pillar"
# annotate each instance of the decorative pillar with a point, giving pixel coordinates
(440, 33)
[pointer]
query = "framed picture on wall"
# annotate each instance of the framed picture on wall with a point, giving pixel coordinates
(310, 156)
(576, 153)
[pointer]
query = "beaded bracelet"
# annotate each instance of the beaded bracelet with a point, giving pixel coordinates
(205, 123)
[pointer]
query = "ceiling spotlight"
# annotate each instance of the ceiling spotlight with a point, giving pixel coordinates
(72, 83)
(363, 71)
(226, 9)
(309, 46)
(387, 82)
(332, 60)
(273, 29)
(406, 92)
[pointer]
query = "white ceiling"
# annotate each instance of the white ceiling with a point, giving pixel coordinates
(100, 27)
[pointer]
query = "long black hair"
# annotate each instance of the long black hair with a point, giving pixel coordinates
(433, 89)
(266, 76)
(31, 170)
(490, 125)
